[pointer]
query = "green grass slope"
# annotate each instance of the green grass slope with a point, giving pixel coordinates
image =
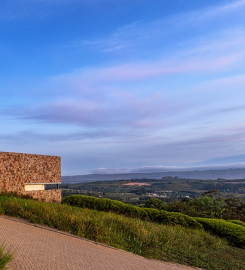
(233, 231)
(168, 243)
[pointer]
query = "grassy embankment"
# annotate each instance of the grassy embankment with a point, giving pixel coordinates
(188, 246)
(233, 232)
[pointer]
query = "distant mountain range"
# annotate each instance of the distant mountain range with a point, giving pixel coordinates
(196, 174)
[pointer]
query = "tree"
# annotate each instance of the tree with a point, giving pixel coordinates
(154, 203)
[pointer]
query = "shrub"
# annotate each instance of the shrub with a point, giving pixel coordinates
(238, 222)
(233, 232)
(154, 203)
(200, 207)
(128, 210)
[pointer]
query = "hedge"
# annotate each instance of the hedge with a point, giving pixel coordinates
(154, 215)
(238, 222)
(234, 233)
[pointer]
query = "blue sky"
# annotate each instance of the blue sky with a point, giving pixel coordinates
(116, 86)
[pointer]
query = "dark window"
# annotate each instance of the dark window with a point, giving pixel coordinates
(51, 186)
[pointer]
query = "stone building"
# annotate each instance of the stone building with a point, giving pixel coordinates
(38, 176)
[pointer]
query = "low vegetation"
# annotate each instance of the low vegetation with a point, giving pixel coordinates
(237, 222)
(234, 233)
(5, 258)
(168, 243)
(207, 206)
(154, 215)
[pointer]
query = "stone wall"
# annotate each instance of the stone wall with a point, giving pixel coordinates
(19, 169)
(53, 195)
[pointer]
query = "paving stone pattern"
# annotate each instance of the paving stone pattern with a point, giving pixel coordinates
(40, 248)
(18, 169)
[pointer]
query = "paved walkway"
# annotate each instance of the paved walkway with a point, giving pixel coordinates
(41, 248)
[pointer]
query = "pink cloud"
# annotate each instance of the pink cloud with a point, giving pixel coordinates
(103, 79)
(120, 110)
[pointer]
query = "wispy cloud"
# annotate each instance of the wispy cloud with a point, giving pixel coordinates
(133, 112)
(29, 136)
(137, 71)
(169, 90)
(217, 56)
(102, 103)
(140, 33)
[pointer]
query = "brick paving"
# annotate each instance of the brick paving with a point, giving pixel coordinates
(42, 248)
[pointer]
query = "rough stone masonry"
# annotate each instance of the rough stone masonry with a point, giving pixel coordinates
(28, 174)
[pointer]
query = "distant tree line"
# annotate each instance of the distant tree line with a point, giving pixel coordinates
(206, 206)
(226, 187)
